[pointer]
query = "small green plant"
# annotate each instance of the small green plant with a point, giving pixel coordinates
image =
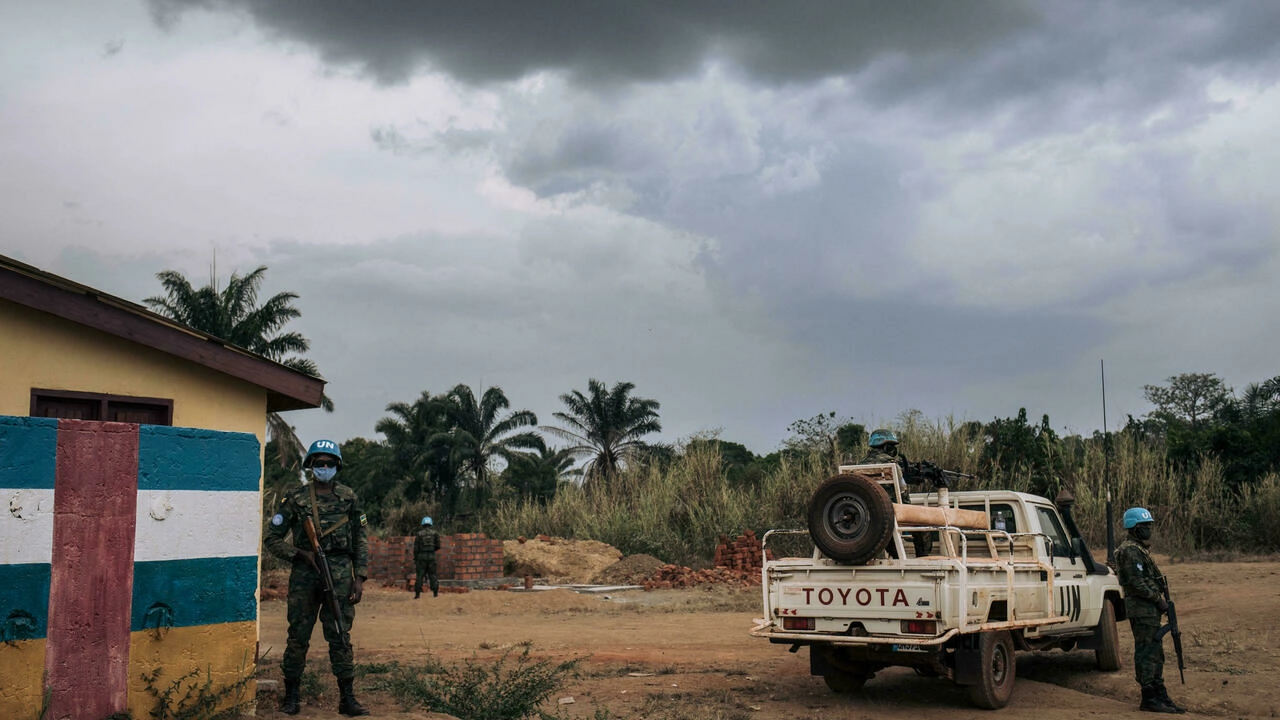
(186, 698)
(312, 687)
(507, 689)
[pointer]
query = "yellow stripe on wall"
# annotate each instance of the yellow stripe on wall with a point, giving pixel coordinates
(21, 678)
(219, 656)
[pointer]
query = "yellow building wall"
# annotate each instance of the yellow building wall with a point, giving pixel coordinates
(42, 351)
(38, 350)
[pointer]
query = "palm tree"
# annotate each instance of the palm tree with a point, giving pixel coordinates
(419, 436)
(480, 434)
(608, 425)
(233, 314)
(537, 476)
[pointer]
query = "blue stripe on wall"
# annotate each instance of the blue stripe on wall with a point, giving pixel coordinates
(24, 601)
(200, 591)
(28, 452)
(174, 458)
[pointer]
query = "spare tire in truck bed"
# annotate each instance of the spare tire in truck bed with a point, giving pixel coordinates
(850, 519)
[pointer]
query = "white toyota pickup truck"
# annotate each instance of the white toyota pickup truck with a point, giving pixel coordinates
(950, 583)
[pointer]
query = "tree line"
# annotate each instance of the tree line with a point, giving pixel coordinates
(467, 457)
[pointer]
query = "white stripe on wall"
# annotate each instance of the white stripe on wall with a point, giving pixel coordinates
(26, 526)
(185, 524)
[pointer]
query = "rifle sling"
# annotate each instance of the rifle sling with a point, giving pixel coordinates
(336, 525)
(315, 511)
(315, 516)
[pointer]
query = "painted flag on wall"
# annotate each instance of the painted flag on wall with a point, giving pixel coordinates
(126, 549)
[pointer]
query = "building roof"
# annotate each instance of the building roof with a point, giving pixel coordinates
(287, 389)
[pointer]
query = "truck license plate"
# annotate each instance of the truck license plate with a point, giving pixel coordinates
(910, 648)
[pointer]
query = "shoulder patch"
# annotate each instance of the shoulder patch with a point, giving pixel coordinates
(278, 520)
(364, 520)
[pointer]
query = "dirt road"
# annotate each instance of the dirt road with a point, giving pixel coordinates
(686, 655)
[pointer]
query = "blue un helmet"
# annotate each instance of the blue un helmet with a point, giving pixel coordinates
(323, 447)
(426, 520)
(882, 437)
(1136, 516)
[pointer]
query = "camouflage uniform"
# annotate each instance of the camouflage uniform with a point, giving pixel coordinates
(342, 536)
(1142, 583)
(923, 542)
(425, 546)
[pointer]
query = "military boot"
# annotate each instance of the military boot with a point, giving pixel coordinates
(1151, 701)
(417, 593)
(1163, 694)
(347, 703)
(289, 704)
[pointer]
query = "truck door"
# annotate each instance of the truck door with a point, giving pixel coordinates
(1069, 571)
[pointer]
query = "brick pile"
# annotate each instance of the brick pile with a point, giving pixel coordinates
(465, 556)
(737, 562)
(676, 576)
(741, 553)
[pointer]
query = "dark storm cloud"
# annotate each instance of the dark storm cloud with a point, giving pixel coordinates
(607, 42)
(968, 54)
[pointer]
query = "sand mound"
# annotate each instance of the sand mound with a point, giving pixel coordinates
(630, 570)
(558, 560)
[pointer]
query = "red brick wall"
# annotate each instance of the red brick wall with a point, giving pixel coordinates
(469, 556)
(465, 556)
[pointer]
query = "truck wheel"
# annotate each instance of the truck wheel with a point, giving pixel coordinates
(850, 519)
(1108, 650)
(845, 683)
(841, 674)
(999, 669)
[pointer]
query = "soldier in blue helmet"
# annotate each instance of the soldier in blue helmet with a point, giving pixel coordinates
(340, 525)
(883, 448)
(1144, 603)
(425, 546)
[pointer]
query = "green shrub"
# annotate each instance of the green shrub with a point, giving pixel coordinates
(506, 689)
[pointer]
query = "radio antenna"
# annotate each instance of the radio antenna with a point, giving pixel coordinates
(1106, 469)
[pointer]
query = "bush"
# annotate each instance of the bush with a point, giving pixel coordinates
(503, 690)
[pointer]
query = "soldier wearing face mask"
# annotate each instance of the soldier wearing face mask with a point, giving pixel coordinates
(340, 527)
(1144, 603)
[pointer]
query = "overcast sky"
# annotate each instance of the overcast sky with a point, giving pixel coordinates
(755, 211)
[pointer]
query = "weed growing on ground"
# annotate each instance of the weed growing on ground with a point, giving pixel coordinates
(711, 705)
(507, 689)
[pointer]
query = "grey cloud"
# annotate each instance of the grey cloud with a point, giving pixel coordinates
(603, 43)
(1051, 62)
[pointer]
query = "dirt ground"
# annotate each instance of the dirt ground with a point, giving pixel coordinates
(686, 655)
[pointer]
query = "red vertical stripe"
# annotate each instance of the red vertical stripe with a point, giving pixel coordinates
(94, 507)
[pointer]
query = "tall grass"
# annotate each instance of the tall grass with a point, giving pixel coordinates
(679, 513)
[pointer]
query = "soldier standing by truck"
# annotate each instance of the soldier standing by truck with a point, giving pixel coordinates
(1144, 603)
(425, 546)
(332, 513)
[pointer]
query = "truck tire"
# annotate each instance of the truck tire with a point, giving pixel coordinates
(850, 519)
(999, 670)
(842, 675)
(844, 683)
(1108, 650)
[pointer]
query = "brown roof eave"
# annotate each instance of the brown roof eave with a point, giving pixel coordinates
(287, 389)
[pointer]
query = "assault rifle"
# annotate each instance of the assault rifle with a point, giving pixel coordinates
(925, 470)
(326, 577)
(1171, 628)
